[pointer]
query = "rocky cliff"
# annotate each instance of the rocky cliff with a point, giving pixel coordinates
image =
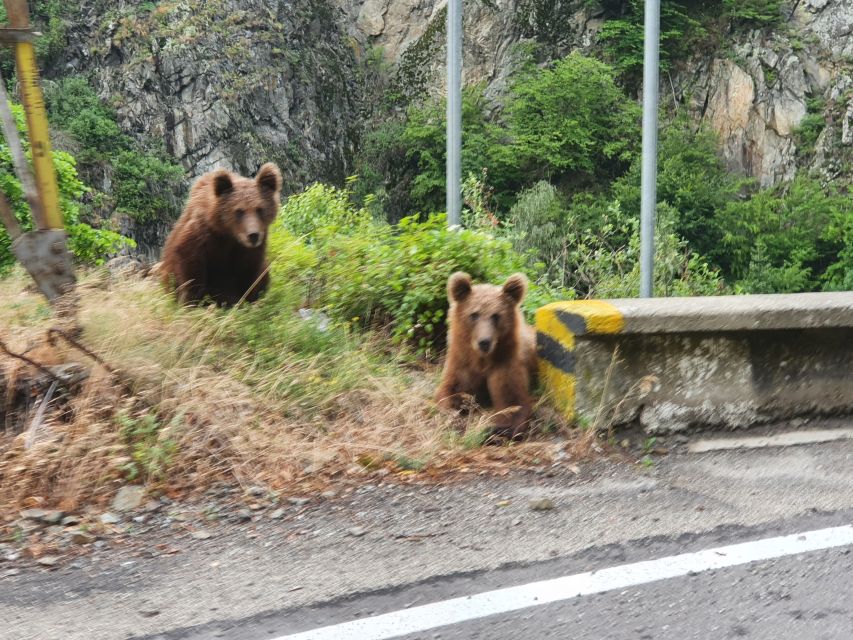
(229, 83)
(237, 82)
(755, 91)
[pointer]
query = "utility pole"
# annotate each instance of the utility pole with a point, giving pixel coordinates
(454, 111)
(650, 148)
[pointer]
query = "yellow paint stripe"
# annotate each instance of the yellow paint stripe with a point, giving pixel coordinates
(599, 317)
(33, 100)
(548, 323)
(562, 388)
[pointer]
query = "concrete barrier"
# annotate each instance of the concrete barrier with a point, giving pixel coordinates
(671, 364)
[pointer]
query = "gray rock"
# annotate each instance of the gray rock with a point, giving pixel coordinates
(82, 537)
(153, 505)
(70, 521)
(541, 504)
(128, 498)
(356, 532)
(110, 518)
(34, 514)
(48, 561)
(299, 502)
(201, 534)
(243, 515)
(278, 514)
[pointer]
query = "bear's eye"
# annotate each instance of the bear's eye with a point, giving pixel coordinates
(495, 319)
(475, 317)
(260, 212)
(239, 213)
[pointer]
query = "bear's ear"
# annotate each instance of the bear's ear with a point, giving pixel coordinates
(222, 183)
(269, 178)
(516, 287)
(458, 287)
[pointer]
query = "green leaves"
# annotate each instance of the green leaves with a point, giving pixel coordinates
(572, 121)
(89, 245)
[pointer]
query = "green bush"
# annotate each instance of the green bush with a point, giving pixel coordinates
(754, 13)
(370, 274)
(603, 258)
(146, 183)
(538, 223)
(792, 238)
(692, 180)
(571, 122)
(401, 278)
(88, 244)
(323, 211)
(424, 138)
(622, 36)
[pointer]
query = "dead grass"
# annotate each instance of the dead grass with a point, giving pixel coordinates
(205, 395)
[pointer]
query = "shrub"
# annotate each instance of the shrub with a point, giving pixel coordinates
(538, 223)
(322, 211)
(692, 180)
(571, 122)
(604, 260)
(622, 37)
(425, 139)
(146, 185)
(754, 13)
(402, 272)
(88, 244)
(366, 273)
(791, 238)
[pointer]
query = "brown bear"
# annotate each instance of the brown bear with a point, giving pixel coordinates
(491, 353)
(217, 249)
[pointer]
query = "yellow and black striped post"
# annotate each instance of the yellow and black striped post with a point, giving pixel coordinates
(557, 327)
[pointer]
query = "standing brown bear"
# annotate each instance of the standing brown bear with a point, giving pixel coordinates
(491, 351)
(217, 248)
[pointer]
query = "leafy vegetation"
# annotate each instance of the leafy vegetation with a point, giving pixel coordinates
(402, 269)
(145, 182)
(88, 243)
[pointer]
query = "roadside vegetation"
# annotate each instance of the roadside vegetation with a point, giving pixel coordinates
(329, 377)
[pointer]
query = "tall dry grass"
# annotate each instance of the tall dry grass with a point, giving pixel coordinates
(255, 396)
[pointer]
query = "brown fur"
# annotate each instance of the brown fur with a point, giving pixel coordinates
(491, 351)
(217, 249)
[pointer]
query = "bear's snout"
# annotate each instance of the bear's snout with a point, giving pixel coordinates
(255, 239)
(484, 345)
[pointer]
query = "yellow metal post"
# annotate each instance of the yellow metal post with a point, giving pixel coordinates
(31, 95)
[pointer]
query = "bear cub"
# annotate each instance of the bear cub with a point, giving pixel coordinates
(491, 352)
(217, 249)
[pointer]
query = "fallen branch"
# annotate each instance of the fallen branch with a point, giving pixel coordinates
(29, 361)
(74, 343)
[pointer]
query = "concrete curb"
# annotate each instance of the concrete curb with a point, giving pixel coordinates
(677, 363)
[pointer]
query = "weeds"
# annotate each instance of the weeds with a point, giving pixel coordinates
(253, 396)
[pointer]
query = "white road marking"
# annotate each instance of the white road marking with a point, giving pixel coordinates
(777, 440)
(457, 610)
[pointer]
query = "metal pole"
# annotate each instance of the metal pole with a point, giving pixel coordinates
(454, 111)
(650, 149)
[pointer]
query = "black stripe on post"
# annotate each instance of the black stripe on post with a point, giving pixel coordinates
(573, 322)
(554, 353)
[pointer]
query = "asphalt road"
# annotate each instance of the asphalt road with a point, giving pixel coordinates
(425, 545)
(801, 596)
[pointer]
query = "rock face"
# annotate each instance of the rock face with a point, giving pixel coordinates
(235, 83)
(226, 83)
